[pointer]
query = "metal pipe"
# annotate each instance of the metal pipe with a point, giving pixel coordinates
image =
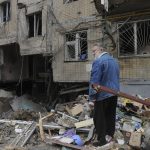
(100, 88)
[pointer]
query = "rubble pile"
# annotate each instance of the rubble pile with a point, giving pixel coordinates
(70, 125)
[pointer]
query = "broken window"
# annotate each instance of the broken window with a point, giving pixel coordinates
(134, 38)
(68, 1)
(35, 24)
(5, 11)
(76, 46)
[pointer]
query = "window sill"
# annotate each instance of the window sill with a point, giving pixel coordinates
(70, 2)
(2, 23)
(133, 56)
(70, 61)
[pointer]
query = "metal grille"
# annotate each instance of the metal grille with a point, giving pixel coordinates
(76, 46)
(134, 38)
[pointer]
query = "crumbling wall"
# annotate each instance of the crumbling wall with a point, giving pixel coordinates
(37, 43)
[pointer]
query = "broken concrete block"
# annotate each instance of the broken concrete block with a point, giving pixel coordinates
(135, 139)
(25, 103)
(84, 123)
(68, 110)
(66, 140)
(6, 94)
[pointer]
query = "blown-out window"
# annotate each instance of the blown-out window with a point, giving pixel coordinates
(5, 11)
(35, 24)
(134, 38)
(76, 46)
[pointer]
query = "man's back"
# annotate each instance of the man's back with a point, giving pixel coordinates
(105, 71)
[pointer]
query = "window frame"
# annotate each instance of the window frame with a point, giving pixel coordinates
(76, 44)
(6, 18)
(135, 40)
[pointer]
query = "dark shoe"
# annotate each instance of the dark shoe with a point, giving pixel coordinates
(99, 143)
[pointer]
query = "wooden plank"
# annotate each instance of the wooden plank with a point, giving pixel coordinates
(41, 128)
(84, 123)
(41, 125)
(49, 115)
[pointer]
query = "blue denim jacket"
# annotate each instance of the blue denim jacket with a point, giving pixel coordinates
(105, 72)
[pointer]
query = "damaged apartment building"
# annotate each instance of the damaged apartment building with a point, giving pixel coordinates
(23, 45)
(44, 43)
(122, 26)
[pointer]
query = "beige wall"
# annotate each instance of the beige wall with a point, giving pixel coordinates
(8, 30)
(74, 10)
(73, 16)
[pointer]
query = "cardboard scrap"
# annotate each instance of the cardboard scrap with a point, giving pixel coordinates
(135, 139)
(76, 110)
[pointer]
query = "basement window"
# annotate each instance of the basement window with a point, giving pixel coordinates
(5, 11)
(76, 46)
(35, 24)
(134, 38)
(69, 1)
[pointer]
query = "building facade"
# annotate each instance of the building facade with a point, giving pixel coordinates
(44, 40)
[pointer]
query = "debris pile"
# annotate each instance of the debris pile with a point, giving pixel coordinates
(70, 125)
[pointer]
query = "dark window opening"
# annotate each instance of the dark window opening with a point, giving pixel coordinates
(5, 7)
(31, 26)
(35, 24)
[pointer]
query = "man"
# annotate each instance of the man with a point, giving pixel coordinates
(105, 72)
